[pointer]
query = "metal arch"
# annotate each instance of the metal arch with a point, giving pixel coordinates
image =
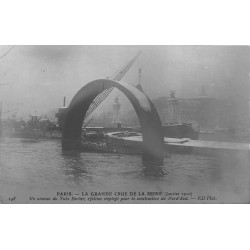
(152, 133)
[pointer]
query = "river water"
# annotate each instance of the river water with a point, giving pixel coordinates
(39, 168)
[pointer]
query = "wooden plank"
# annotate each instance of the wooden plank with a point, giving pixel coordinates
(185, 142)
(214, 145)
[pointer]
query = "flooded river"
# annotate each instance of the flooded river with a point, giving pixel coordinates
(39, 168)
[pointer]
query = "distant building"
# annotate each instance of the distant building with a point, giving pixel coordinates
(172, 110)
(207, 111)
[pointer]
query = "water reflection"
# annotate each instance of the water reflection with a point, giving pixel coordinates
(41, 166)
(30, 141)
(77, 168)
(73, 166)
(155, 172)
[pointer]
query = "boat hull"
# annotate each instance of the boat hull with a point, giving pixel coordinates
(182, 130)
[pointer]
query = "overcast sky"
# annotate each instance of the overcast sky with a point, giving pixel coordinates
(39, 76)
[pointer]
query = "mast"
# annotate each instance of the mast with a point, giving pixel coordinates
(139, 86)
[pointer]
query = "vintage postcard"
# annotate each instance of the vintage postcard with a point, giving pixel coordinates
(124, 124)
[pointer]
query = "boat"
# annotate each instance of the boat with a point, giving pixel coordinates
(182, 130)
(173, 117)
(132, 143)
(36, 128)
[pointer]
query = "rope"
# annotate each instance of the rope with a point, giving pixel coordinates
(6, 53)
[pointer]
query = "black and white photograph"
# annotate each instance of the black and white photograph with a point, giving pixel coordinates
(122, 124)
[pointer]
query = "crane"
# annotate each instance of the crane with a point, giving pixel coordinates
(8, 111)
(117, 76)
(88, 122)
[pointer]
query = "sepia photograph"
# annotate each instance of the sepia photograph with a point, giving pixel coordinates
(124, 124)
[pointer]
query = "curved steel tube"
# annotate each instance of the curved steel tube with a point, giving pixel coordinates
(152, 133)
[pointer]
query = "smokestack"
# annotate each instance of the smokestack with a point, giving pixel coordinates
(64, 101)
(0, 112)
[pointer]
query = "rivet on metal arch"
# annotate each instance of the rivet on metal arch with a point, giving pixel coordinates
(152, 133)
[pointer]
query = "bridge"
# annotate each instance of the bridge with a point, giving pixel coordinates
(152, 133)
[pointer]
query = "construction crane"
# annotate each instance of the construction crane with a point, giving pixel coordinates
(117, 76)
(88, 122)
(12, 110)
